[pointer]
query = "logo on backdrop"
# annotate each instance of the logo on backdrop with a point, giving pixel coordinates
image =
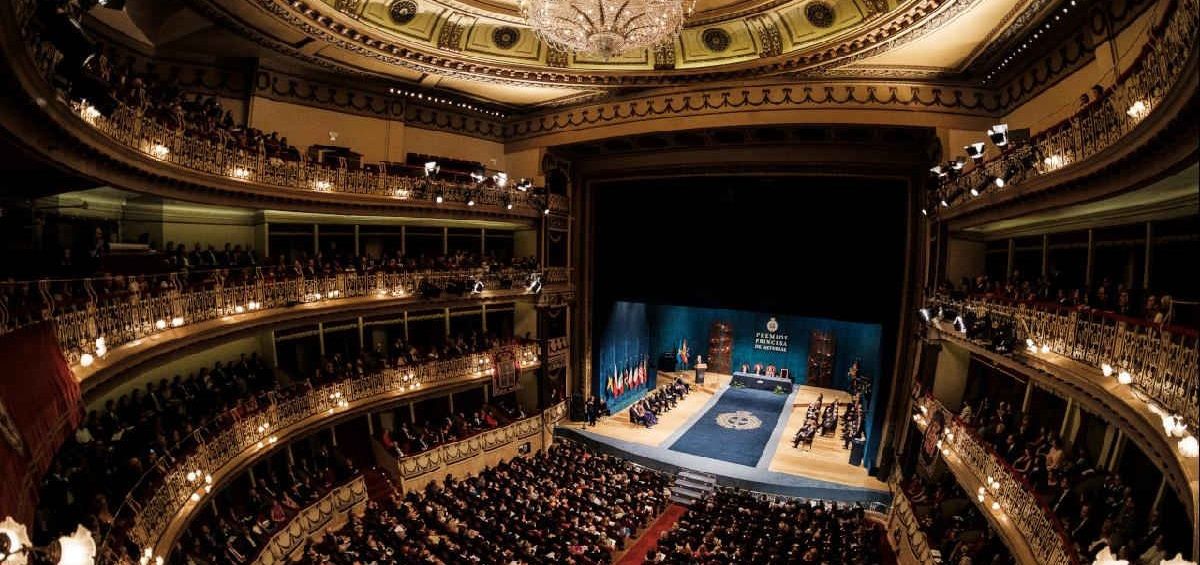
(740, 420)
(772, 339)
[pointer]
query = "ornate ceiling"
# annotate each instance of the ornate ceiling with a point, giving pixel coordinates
(482, 48)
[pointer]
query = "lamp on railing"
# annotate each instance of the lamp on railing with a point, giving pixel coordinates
(149, 557)
(1106, 557)
(79, 548)
(1177, 560)
(240, 173)
(1106, 369)
(1124, 377)
(200, 482)
(1188, 447)
(158, 151)
(265, 436)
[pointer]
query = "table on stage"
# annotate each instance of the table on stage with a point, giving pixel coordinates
(761, 382)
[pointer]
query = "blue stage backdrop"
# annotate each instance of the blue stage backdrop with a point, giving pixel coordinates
(624, 370)
(771, 339)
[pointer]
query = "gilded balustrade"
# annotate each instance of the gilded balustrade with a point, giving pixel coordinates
(1161, 364)
(902, 521)
(1011, 496)
(163, 493)
(312, 520)
(1100, 125)
(89, 332)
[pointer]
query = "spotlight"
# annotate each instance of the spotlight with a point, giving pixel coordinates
(524, 184)
(534, 285)
(508, 204)
(477, 175)
(431, 168)
(470, 199)
(477, 286)
(944, 203)
(938, 171)
(957, 164)
(439, 199)
(501, 179)
(924, 313)
(998, 134)
(924, 211)
(975, 150)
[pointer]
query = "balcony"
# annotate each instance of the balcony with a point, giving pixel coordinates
(1140, 377)
(1031, 531)
(1155, 88)
(161, 504)
(100, 339)
(167, 163)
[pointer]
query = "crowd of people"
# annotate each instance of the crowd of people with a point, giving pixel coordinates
(1106, 297)
(405, 439)
(952, 524)
(23, 302)
(735, 527)
(235, 529)
(567, 504)
(1096, 507)
(645, 411)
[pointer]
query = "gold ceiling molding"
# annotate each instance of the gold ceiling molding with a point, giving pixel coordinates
(775, 50)
(969, 103)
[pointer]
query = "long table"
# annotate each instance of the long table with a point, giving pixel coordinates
(761, 382)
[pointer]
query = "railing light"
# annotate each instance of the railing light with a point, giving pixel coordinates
(161, 324)
(322, 185)
(176, 322)
(402, 194)
(1138, 109)
(1106, 369)
(995, 505)
(1045, 348)
(159, 151)
(238, 309)
(1124, 377)
(1054, 162)
(1188, 447)
(86, 360)
(88, 112)
(252, 305)
(240, 173)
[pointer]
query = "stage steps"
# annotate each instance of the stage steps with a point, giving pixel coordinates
(691, 487)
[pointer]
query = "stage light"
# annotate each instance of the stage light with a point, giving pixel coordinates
(501, 179)
(439, 198)
(534, 285)
(524, 184)
(924, 313)
(477, 286)
(431, 168)
(508, 204)
(957, 164)
(998, 134)
(1138, 110)
(938, 171)
(470, 199)
(112, 4)
(975, 150)
(477, 175)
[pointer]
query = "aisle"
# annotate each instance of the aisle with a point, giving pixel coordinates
(649, 538)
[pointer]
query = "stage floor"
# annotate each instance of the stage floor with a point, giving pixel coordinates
(824, 468)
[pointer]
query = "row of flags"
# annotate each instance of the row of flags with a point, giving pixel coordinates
(632, 376)
(682, 354)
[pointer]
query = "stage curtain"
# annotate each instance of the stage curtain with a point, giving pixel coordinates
(39, 408)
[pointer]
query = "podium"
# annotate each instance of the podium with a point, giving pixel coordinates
(700, 367)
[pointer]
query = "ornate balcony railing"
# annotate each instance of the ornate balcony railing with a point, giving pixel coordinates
(1159, 363)
(903, 522)
(1010, 495)
(153, 140)
(163, 493)
(437, 460)
(312, 520)
(89, 332)
(1100, 125)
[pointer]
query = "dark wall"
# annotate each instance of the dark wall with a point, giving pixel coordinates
(812, 246)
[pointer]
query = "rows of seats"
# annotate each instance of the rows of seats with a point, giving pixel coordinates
(952, 523)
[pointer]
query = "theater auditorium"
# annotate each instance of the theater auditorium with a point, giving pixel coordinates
(584, 282)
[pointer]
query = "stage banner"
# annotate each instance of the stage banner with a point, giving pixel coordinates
(623, 370)
(506, 371)
(39, 408)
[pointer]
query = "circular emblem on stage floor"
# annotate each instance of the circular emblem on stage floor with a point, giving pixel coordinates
(740, 420)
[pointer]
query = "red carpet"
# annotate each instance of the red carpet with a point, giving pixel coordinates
(637, 554)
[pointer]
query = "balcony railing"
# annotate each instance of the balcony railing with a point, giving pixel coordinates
(165, 492)
(903, 522)
(1100, 125)
(312, 520)
(88, 333)
(1005, 493)
(129, 128)
(1160, 363)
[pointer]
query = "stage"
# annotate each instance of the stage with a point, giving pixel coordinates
(743, 436)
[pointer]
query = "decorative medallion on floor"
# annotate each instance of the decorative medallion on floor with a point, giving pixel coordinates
(740, 420)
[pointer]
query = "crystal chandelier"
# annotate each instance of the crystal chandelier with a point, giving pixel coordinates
(605, 27)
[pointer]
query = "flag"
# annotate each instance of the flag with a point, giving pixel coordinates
(682, 357)
(617, 377)
(610, 388)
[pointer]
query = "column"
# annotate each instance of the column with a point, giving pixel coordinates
(412, 412)
(316, 238)
(333, 435)
(446, 316)
(450, 400)
(370, 425)
(483, 241)
(1045, 254)
(1028, 396)
(404, 240)
(1149, 254)
(1012, 252)
(445, 241)
(321, 336)
(361, 338)
(483, 316)
(356, 248)
(1091, 258)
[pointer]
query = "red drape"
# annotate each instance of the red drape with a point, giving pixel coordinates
(39, 407)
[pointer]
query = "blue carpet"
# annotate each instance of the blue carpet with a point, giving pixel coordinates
(736, 428)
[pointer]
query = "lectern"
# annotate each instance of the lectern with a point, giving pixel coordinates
(700, 367)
